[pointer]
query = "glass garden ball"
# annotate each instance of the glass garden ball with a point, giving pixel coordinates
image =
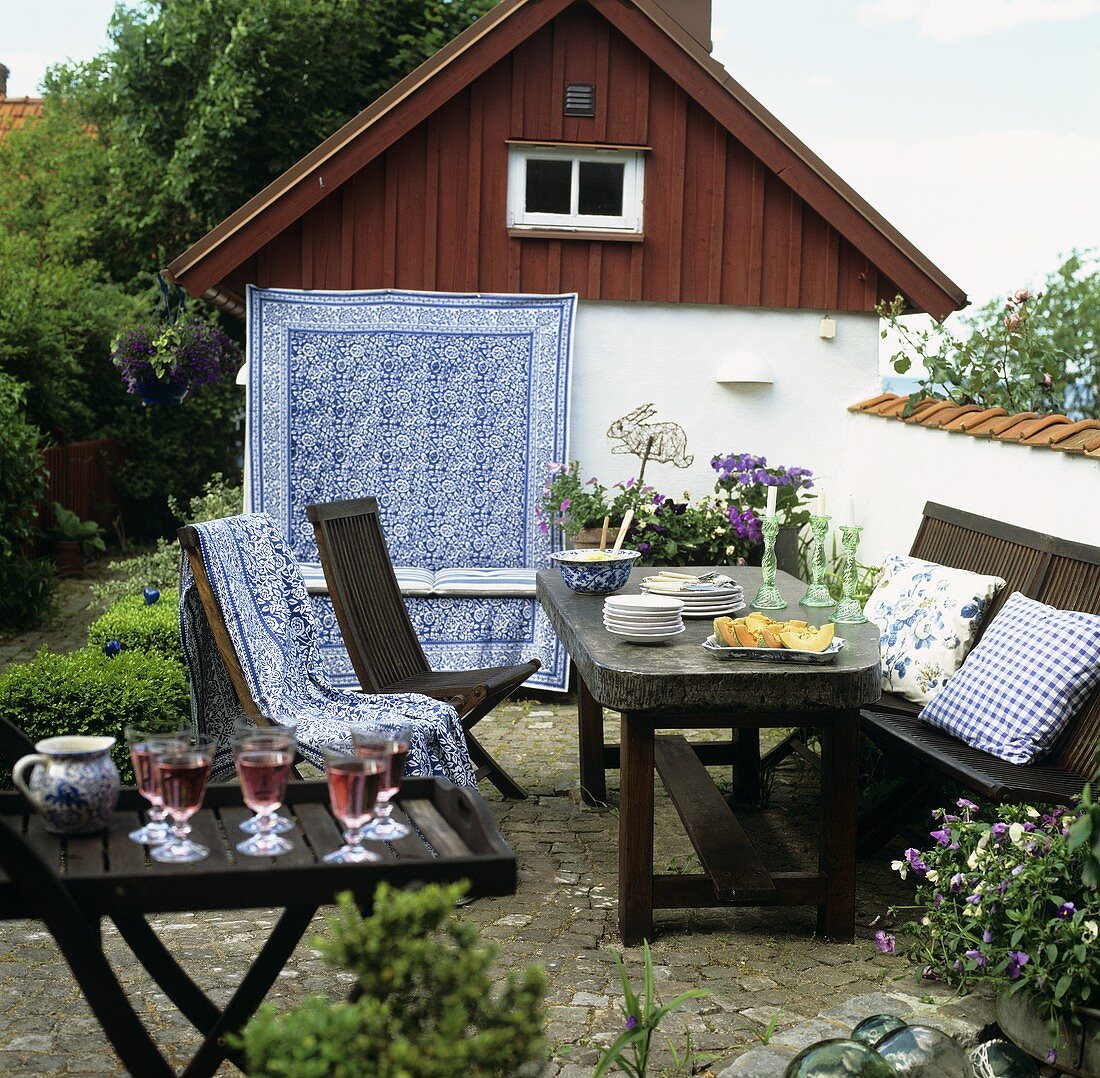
(839, 1058)
(871, 1030)
(923, 1052)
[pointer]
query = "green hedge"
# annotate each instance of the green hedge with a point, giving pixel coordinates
(139, 627)
(85, 692)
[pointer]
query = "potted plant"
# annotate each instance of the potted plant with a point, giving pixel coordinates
(1011, 896)
(163, 361)
(73, 540)
(579, 508)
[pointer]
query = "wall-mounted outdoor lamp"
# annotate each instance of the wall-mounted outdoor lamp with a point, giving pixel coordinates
(743, 367)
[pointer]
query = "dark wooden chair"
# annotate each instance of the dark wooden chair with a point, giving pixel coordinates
(380, 638)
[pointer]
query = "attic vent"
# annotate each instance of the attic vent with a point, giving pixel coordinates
(580, 99)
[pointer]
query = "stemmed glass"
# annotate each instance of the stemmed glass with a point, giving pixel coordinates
(353, 784)
(391, 749)
(182, 771)
(142, 744)
(278, 739)
(263, 764)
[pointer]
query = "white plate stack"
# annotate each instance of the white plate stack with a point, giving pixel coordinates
(643, 619)
(701, 599)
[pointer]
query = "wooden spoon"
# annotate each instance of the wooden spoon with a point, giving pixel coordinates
(622, 531)
(603, 534)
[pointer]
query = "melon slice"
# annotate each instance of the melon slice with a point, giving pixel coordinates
(771, 637)
(724, 632)
(745, 636)
(818, 641)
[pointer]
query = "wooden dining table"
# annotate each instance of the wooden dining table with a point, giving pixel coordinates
(677, 685)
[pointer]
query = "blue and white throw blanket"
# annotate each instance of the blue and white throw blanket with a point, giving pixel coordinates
(445, 407)
(268, 613)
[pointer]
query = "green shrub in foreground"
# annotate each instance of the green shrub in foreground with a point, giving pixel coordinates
(85, 692)
(428, 1008)
(140, 627)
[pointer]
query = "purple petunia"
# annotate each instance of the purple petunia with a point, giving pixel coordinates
(999, 830)
(958, 881)
(943, 837)
(886, 943)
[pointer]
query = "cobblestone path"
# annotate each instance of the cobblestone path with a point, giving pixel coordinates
(760, 966)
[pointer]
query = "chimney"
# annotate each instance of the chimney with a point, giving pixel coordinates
(693, 16)
(4, 73)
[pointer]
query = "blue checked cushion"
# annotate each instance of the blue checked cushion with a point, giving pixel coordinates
(928, 617)
(1033, 670)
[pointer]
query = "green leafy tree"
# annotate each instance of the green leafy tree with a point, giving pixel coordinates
(201, 103)
(1028, 352)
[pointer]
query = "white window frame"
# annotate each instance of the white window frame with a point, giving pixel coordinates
(630, 222)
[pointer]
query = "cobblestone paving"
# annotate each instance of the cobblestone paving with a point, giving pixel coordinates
(760, 966)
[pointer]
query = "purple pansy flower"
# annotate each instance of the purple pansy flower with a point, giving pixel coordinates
(943, 837)
(1016, 962)
(886, 943)
(976, 956)
(1066, 910)
(632, 1021)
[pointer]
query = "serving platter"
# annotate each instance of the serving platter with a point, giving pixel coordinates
(773, 655)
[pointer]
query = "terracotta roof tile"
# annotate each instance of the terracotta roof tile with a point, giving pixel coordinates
(16, 111)
(1042, 430)
(1076, 436)
(1051, 431)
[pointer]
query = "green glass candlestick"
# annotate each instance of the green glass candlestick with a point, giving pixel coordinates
(817, 594)
(768, 597)
(848, 611)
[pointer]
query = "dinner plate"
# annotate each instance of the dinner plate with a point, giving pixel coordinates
(715, 612)
(696, 591)
(643, 638)
(673, 622)
(647, 604)
(774, 655)
(644, 630)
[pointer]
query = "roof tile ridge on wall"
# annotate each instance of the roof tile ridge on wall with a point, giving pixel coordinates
(1039, 430)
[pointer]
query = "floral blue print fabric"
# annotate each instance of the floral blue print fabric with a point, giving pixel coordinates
(270, 620)
(1031, 673)
(928, 617)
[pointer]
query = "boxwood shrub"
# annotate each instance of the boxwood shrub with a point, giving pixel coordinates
(85, 692)
(141, 627)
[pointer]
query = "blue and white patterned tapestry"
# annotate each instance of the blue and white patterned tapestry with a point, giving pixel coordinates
(446, 408)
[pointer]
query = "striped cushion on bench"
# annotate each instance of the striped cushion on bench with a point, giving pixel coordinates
(454, 582)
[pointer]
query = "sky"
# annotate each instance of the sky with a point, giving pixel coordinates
(973, 126)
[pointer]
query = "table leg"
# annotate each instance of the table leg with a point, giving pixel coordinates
(746, 766)
(636, 829)
(590, 731)
(840, 805)
(250, 993)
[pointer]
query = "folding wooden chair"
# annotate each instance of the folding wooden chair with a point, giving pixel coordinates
(380, 638)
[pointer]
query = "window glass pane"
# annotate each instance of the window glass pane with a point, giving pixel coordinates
(601, 189)
(548, 186)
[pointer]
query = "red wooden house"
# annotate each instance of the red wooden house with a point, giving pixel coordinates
(596, 147)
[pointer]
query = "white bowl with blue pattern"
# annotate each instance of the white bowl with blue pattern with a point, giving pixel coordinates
(595, 572)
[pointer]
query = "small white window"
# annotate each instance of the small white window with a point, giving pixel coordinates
(575, 189)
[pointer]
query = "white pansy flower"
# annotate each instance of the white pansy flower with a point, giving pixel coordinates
(1031, 812)
(1089, 931)
(901, 868)
(1016, 833)
(932, 875)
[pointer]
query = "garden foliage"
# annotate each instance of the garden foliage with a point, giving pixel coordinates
(428, 1009)
(138, 626)
(86, 692)
(1028, 352)
(25, 582)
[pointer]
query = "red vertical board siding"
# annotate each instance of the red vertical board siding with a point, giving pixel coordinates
(430, 212)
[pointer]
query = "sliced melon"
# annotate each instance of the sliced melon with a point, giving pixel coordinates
(724, 632)
(745, 636)
(771, 637)
(818, 641)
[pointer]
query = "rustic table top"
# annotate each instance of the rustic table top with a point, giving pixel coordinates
(680, 675)
(108, 873)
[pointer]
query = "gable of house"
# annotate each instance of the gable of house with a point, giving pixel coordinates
(413, 193)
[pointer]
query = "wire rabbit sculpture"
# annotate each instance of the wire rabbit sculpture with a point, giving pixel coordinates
(666, 443)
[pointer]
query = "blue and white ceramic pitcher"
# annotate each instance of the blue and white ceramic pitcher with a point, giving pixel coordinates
(74, 786)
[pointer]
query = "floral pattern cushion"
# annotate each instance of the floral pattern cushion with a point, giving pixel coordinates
(928, 617)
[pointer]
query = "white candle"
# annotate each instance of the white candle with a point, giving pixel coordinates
(772, 492)
(821, 503)
(851, 511)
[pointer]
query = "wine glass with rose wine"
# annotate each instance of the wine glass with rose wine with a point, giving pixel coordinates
(263, 766)
(390, 748)
(142, 745)
(182, 771)
(353, 784)
(281, 738)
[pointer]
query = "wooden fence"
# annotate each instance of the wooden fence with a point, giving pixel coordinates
(81, 479)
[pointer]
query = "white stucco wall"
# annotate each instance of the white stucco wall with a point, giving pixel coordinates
(895, 468)
(628, 353)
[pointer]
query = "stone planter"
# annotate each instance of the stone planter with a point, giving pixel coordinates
(1078, 1049)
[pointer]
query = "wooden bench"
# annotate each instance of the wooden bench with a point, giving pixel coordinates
(1055, 571)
